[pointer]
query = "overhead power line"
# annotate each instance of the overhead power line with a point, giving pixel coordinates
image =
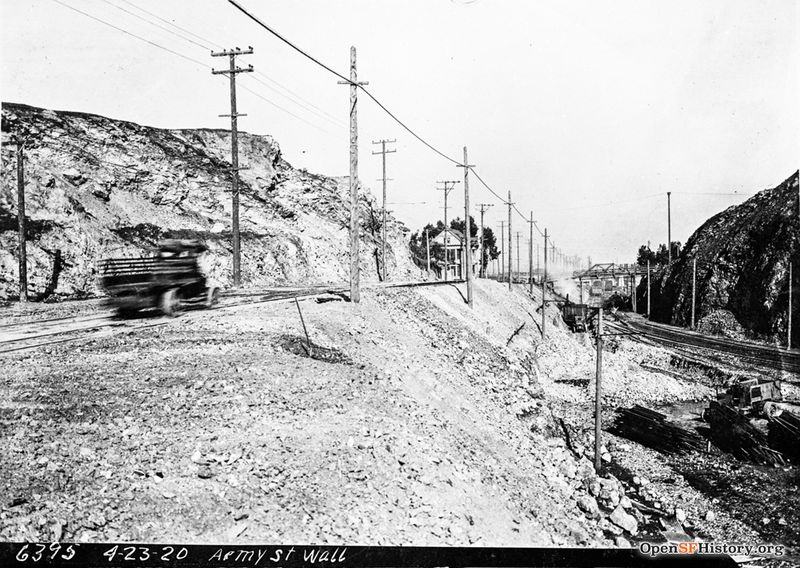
(201, 38)
(159, 26)
(343, 78)
(193, 60)
(154, 44)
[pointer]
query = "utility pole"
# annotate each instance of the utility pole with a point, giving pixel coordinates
(510, 267)
(648, 289)
(448, 187)
(502, 248)
(467, 230)
(483, 207)
(544, 286)
(789, 329)
(232, 71)
(694, 287)
(530, 258)
(598, 390)
(23, 244)
(383, 153)
(428, 249)
(669, 229)
(518, 247)
(355, 265)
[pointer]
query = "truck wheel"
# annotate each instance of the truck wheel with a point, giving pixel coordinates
(213, 296)
(171, 302)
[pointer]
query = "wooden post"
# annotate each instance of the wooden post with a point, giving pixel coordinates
(23, 247)
(530, 258)
(467, 230)
(383, 153)
(598, 393)
(428, 248)
(355, 265)
(789, 329)
(544, 286)
(669, 228)
(694, 287)
(510, 261)
(648, 289)
(502, 249)
(232, 71)
(580, 290)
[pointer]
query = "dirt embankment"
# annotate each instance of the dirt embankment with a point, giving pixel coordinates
(98, 187)
(414, 421)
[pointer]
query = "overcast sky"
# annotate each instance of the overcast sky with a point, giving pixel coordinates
(587, 111)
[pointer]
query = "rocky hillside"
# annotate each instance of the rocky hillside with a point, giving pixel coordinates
(743, 256)
(98, 187)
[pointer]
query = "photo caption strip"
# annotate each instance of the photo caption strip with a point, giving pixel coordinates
(102, 555)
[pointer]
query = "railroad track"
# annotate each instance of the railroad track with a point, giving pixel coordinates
(31, 334)
(763, 356)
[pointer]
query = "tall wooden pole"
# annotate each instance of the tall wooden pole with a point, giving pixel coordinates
(669, 228)
(502, 249)
(648, 289)
(481, 271)
(355, 264)
(467, 231)
(544, 286)
(789, 330)
(530, 258)
(510, 262)
(694, 287)
(232, 71)
(383, 153)
(23, 252)
(428, 250)
(598, 394)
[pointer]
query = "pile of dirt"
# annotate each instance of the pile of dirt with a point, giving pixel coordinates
(721, 322)
(743, 256)
(98, 187)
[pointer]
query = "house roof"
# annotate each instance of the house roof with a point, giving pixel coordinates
(453, 234)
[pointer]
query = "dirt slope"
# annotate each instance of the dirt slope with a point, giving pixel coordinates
(416, 421)
(99, 187)
(743, 255)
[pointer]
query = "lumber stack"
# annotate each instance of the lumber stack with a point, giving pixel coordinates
(784, 434)
(733, 433)
(652, 429)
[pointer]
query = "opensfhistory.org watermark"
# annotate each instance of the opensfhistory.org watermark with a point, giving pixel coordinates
(692, 547)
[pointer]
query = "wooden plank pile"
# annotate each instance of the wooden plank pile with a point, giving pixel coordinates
(652, 429)
(784, 434)
(733, 433)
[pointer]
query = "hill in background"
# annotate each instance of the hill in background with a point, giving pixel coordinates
(98, 187)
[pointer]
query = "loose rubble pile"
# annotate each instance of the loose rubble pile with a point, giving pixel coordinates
(721, 322)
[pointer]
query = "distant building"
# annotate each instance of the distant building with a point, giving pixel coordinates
(454, 253)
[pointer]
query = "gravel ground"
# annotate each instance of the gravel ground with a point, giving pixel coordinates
(410, 419)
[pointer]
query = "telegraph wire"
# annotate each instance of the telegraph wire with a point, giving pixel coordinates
(308, 103)
(201, 38)
(154, 44)
(156, 25)
(343, 78)
(188, 58)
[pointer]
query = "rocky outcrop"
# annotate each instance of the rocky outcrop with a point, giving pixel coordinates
(743, 256)
(97, 187)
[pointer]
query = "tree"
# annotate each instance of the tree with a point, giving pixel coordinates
(660, 257)
(645, 255)
(419, 244)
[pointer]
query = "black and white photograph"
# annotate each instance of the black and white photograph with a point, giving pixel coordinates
(367, 283)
